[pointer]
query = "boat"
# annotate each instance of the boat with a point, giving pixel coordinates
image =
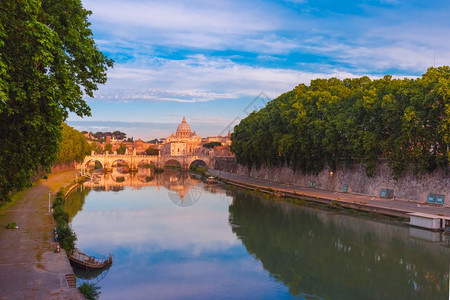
(210, 179)
(82, 260)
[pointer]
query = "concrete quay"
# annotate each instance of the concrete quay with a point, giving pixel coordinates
(390, 207)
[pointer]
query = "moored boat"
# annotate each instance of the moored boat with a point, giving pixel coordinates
(81, 259)
(210, 179)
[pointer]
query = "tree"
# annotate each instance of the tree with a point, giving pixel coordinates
(334, 122)
(151, 151)
(48, 61)
(212, 144)
(73, 146)
(122, 149)
(96, 147)
(118, 135)
(108, 147)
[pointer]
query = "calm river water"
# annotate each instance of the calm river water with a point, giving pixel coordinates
(174, 237)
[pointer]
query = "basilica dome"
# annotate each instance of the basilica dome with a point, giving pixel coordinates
(183, 130)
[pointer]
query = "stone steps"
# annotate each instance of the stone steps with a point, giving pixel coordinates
(71, 280)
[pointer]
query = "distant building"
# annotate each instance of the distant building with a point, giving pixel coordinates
(140, 146)
(182, 142)
(223, 140)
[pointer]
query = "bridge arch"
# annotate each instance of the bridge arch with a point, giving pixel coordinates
(120, 177)
(175, 163)
(116, 162)
(198, 162)
(146, 162)
(92, 163)
(205, 161)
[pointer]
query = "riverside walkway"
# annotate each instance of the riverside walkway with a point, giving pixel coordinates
(392, 207)
(29, 266)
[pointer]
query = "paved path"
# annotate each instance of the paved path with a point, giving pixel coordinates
(29, 267)
(363, 202)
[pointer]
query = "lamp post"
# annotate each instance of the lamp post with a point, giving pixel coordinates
(49, 198)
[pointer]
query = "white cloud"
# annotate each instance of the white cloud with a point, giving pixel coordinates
(200, 79)
(382, 38)
(158, 230)
(194, 24)
(212, 17)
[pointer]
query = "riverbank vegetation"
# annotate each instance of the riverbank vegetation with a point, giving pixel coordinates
(90, 291)
(66, 236)
(73, 145)
(49, 62)
(336, 122)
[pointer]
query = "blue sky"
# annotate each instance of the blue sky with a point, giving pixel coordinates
(209, 60)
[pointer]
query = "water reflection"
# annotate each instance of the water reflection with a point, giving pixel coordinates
(182, 186)
(337, 256)
(74, 203)
(234, 244)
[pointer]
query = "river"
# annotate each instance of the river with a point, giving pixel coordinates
(174, 237)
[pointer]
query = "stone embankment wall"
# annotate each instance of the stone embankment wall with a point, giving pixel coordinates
(409, 187)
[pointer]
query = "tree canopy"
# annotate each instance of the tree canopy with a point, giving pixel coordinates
(333, 122)
(48, 62)
(151, 151)
(122, 149)
(118, 135)
(212, 144)
(73, 146)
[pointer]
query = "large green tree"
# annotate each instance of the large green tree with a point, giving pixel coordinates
(48, 62)
(73, 146)
(335, 122)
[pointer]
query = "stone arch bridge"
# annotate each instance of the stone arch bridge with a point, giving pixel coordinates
(159, 161)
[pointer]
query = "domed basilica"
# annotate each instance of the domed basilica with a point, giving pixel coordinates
(183, 141)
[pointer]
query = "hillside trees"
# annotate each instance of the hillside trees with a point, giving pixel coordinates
(48, 61)
(73, 146)
(335, 122)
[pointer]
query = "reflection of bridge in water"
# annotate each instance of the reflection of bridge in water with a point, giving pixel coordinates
(179, 184)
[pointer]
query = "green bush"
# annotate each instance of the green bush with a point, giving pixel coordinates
(66, 236)
(90, 291)
(172, 167)
(199, 170)
(60, 215)
(11, 225)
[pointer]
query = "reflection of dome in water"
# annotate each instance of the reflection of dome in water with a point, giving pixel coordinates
(172, 176)
(185, 197)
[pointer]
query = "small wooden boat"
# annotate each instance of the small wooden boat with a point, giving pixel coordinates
(81, 259)
(210, 179)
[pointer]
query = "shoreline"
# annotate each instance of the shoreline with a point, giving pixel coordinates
(365, 203)
(29, 266)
